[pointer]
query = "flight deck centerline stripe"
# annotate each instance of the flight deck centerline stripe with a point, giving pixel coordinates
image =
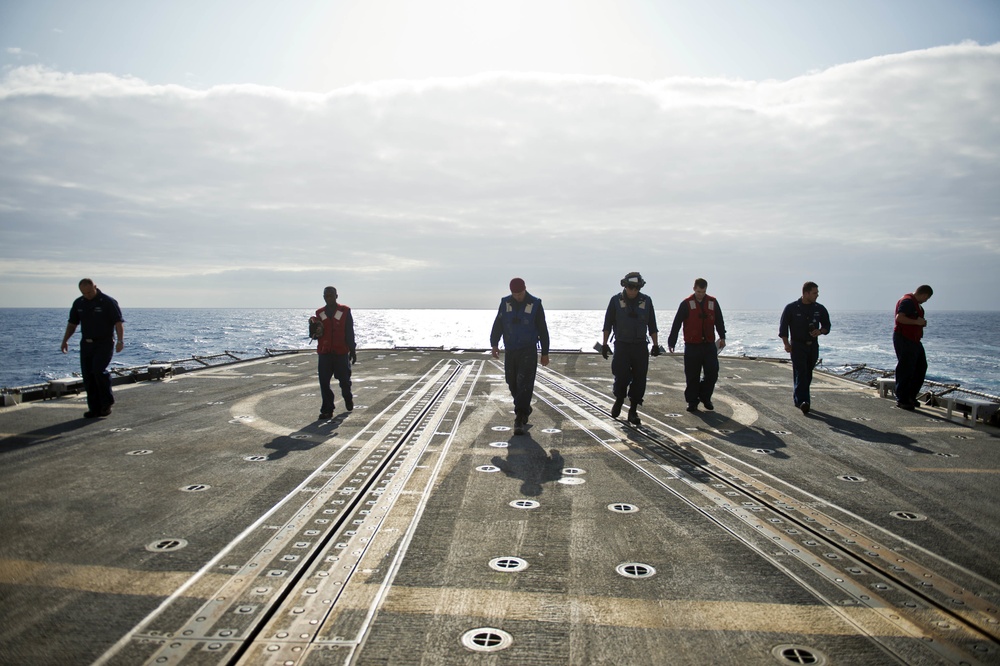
(206, 569)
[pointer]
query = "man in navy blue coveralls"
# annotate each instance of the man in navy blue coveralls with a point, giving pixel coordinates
(803, 321)
(521, 321)
(100, 317)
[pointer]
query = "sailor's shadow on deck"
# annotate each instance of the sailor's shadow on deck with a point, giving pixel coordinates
(755, 437)
(526, 460)
(639, 439)
(859, 430)
(306, 438)
(48, 433)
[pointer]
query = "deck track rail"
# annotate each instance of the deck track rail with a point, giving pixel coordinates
(957, 621)
(331, 519)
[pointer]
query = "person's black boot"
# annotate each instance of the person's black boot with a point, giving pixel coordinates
(616, 409)
(519, 424)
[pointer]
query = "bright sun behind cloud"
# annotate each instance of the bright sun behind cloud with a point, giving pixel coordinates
(422, 148)
(444, 38)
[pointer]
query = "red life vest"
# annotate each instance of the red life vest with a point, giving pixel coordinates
(699, 325)
(910, 331)
(333, 340)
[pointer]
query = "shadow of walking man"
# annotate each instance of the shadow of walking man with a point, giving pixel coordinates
(857, 430)
(305, 438)
(527, 461)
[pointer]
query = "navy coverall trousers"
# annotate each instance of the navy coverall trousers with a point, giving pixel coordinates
(805, 354)
(911, 368)
(520, 367)
(95, 357)
(630, 365)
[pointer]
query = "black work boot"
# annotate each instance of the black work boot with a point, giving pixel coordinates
(633, 416)
(519, 424)
(616, 409)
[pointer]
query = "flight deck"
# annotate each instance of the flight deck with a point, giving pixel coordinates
(212, 519)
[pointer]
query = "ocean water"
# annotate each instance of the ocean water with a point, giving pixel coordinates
(962, 347)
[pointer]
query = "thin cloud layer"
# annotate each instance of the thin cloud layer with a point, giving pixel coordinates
(869, 178)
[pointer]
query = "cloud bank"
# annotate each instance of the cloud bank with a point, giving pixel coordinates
(869, 178)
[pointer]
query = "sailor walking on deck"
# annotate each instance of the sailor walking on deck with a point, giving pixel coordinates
(630, 315)
(803, 321)
(701, 317)
(333, 326)
(100, 319)
(520, 321)
(911, 365)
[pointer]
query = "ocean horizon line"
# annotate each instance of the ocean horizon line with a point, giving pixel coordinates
(313, 307)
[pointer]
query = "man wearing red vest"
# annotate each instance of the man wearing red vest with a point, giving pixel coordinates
(701, 317)
(911, 366)
(333, 326)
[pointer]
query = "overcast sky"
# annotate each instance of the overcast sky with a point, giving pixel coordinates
(246, 153)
